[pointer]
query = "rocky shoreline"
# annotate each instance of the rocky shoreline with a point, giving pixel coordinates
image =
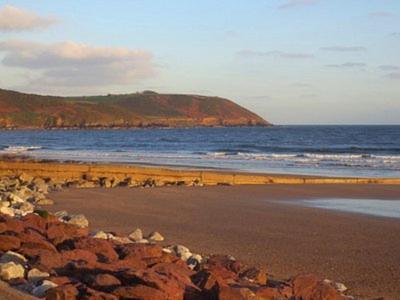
(55, 256)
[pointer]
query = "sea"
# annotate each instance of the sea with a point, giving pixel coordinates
(352, 151)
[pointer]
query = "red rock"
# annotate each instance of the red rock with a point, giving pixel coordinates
(269, 293)
(35, 221)
(61, 280)
(79, 254)
(102, 248)
(177, 272)
(225, 262)
(140, 251)
(168, 285)
(208, 283)
(255, 275)
(48, 260)
(139, 292)
(104, 282)
(91, 294)
(59, 232)
(8, 242)
(3, 228)
(64, 292)
(235, 293)
(13, 225)
(309, 287)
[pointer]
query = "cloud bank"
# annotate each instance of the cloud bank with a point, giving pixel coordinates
(16, 19)
(344, 49)
(348, 65)
(280, 54)
(297, 3)
(72, 64)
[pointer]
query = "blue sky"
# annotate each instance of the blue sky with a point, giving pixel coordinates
(291, 61)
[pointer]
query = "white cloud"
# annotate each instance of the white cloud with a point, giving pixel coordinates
(345, 49)
(68, 64)
(280, 54)
(297, 3)
(348, 65)
(389, 68)
(16, 19)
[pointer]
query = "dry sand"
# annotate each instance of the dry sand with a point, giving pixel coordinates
(256, 224)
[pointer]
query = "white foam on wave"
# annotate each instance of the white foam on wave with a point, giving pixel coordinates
(19, 149)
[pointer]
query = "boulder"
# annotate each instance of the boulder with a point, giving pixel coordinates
(8, 242)
(139, 291)
(104, 282)
(254, 275)
(44, 202)
(11, 270)
(64, 292)
(309, 287)
(7, 211)
(102, 248)
(100, 235)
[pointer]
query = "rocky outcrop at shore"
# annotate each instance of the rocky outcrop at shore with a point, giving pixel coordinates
(57, 257)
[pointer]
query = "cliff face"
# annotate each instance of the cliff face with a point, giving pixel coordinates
(149, 109)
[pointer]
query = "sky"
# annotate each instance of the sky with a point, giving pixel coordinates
(290, 61)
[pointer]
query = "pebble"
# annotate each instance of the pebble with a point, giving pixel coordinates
(35, 275)
(136, 235)
(40, 291)
(155, 236)
(11, 256)
(11, 270)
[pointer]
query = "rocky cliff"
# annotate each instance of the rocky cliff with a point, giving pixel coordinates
(147, 109)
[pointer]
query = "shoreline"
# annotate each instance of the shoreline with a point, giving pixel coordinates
(161, 175)
(255, 224)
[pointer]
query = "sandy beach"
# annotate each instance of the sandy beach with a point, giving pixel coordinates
(260, 224)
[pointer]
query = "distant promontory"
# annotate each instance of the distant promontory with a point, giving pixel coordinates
(146, 109)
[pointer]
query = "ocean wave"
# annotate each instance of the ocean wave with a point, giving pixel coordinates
(19, 149)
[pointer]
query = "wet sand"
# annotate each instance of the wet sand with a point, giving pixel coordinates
(261, 225)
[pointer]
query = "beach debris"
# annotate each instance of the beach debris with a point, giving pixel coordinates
(136, 235)
(155, 236)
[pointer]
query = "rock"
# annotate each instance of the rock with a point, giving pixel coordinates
(61, 214)
(26, 208)
(182, 252)
(136, 235)
(310, 287)
(44, 202)
(102, 248)
(25, 178)
(100, 235)
(142, 241)
(104, 282)
(11, 256)
(194, 261)
(87, 185)
(35, 275)
(121, 239)
(8, 242)
(13, 198)
(155, 236)
(7, 211)
(39, 184)
(79, 220)
(4, 204)
(254, 275)
(79, 255)
(340, 287)
(40, 291)
(11, 270)
(139, 291)
(65, 292)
